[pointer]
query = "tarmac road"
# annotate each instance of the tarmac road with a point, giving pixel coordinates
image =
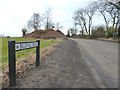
(64, 68)
(103, 56)
(77, 63)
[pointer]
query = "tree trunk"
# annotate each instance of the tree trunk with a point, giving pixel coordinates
(105, 20)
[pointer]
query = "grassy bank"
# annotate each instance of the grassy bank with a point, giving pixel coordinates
(4, 48)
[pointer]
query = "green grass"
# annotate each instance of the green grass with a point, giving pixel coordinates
(45, 43)
(4, 48)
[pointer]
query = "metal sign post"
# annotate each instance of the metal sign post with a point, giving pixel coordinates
(12, 48)
(37, 53)
(12, 63)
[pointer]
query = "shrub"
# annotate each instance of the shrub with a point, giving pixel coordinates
(109, 34)
(8, 36)
(89, 34)
(112, 32)
(99, 33)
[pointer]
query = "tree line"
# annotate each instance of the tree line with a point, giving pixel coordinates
(83, 17)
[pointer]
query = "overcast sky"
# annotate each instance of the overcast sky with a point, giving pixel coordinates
(15, 13)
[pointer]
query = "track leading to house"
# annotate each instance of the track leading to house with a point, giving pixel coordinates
(103, 56)
(64, 68)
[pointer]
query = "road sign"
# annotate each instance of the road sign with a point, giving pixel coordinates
(25, 45)
(12, 48)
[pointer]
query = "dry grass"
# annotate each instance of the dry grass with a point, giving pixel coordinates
(24, 64)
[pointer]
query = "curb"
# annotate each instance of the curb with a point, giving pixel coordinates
(98, 39)
(107, 40)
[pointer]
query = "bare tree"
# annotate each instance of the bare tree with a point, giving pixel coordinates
(90, 12)
(113, 12)
(48, 19)
(82, 32)
(101, 8)
(106, 8)
(84, 17)
(58, 26)
(50, 25)
(72, 31)
(118, 19)
(35, 22)
(81, 19)
(68, 33)
(75, 24)
(78, 21)
(116, 4)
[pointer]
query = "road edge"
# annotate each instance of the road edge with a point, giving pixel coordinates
(92, 70)
(98, 40)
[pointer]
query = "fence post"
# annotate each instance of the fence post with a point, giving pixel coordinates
(38, 53)
(12, 63)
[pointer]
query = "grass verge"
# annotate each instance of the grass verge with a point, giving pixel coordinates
(23, 53)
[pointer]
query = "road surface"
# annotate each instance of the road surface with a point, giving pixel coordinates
(77, 63)
(64, 68)
(103, 56)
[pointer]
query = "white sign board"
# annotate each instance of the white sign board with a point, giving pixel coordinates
(27, 45)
